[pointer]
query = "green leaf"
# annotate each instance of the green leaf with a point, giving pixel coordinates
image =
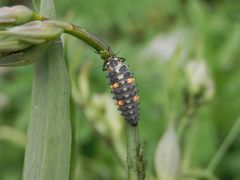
(48, 151)
(49, 133)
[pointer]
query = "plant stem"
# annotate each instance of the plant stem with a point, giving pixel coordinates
(224, 147)
(187, 118)
(92, 40)
(189, 143)
(74, 154)
(136, 163)
(132, 145)
(186, 131)
(199, 174)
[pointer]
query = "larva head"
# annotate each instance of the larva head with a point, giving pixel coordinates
(113, 64)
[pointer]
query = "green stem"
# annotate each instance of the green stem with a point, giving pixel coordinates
(73, 119)
(186, 131)
(132, 145)
(74, 154)
(224, 147)
(92, 40)
(136, 163)
(190, 137)
(187, 118)
(199, 174)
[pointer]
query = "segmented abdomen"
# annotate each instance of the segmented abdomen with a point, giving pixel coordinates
(124, 90)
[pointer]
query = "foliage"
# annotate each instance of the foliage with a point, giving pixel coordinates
(159, 39)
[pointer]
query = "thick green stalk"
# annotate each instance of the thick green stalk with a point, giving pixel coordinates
(102, 48)
(136, 163)
(92, 40)
(48, 150)
(132, 146)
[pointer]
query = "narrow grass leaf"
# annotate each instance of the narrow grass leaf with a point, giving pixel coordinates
(49, 133)
(48, 151)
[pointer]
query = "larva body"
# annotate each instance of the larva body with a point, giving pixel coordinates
(123, 88)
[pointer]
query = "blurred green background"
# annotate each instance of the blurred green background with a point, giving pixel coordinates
(158, 38)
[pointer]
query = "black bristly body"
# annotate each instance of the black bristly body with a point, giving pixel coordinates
(123, 88)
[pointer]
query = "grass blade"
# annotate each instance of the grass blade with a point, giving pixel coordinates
(49, 133)
(48, 150)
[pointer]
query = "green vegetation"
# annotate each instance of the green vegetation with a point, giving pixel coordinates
(184, 55)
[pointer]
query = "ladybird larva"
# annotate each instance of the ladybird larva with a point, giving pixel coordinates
(124, 89)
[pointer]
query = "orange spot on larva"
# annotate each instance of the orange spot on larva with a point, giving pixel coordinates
(130, 80)
(135, 98)
(120, 103)
(114, 86)
(109, 69)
